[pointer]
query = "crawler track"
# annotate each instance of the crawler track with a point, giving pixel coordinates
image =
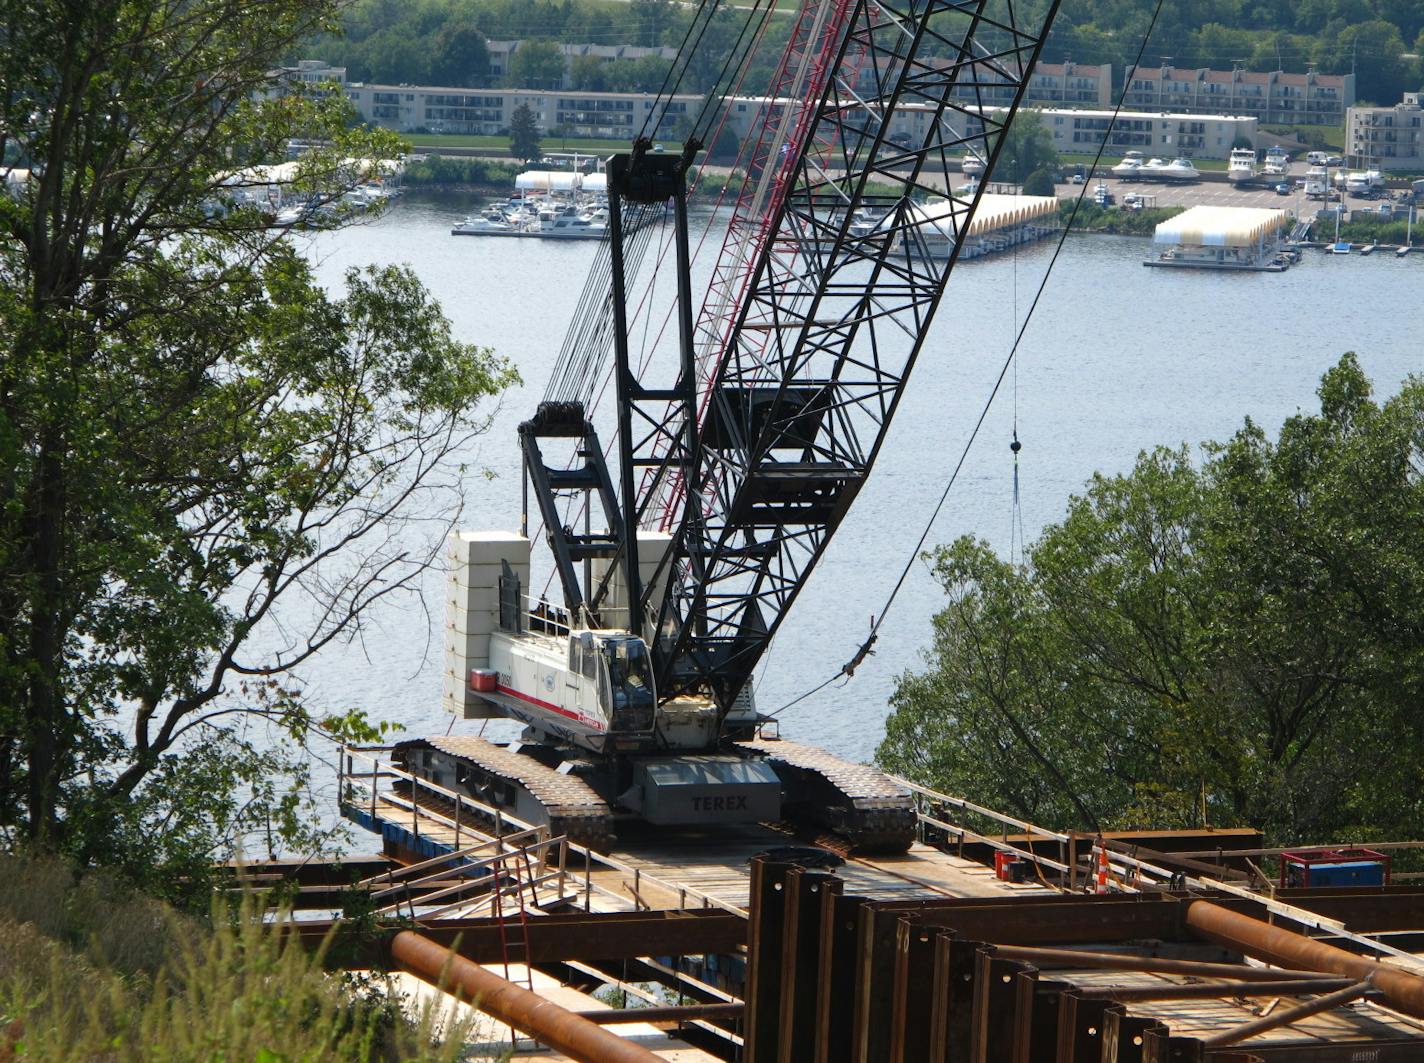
(514, 782)
(859, 804)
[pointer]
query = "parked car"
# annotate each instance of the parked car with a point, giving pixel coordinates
(1334, 160)
(1283, 189)
(1077, 179)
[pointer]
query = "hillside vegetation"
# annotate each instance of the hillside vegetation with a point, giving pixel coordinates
(92, 971)
(442, 41)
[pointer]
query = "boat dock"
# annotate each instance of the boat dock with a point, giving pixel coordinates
(1242, 239)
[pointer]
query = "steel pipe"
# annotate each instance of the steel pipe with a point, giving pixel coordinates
(1401, 989)
(556, 1027)
(1115, 961)
(1290, 1015)
(1294, 987)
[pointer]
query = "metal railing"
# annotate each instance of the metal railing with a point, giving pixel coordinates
(484, 825)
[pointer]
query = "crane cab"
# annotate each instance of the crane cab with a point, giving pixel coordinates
(593, 688)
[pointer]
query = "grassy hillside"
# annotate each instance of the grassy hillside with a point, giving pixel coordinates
(92, 971)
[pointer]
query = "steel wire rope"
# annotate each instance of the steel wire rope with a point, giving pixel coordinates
(848, 669)
(577, 367)
(742, 64)
(685, 54)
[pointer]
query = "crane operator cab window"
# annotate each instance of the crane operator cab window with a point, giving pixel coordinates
(627, 687)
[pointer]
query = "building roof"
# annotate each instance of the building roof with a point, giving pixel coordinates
(995, 211)
(1220, 226)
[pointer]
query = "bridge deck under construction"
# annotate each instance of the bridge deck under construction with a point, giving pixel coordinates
(779, 951)
(660, 868)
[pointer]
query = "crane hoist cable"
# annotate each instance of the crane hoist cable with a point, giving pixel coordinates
(848, 669)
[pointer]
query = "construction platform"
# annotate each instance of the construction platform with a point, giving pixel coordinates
(756, 947)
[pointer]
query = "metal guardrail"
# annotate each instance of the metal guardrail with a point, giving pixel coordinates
(362, 790)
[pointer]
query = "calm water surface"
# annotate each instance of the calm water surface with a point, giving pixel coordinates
(1118, 358)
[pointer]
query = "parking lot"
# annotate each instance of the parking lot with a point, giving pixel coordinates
(1218, 193)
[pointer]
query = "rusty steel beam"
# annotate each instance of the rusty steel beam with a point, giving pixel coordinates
(1237, 1034)
(1403, 990)
(1292, 987)
(1115, 961)
(561, 1030)
(801, 966)
(661, 1013)
(761, 1028)
(558, 937)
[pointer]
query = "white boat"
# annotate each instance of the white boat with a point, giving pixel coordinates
(1340, 247)
(1363, 182)
(1242, 165)
(489, 222)
(571, 227)
(1177, 171)
(1277, 162)
(1317, 182)
(972, 165)
(1130, 169)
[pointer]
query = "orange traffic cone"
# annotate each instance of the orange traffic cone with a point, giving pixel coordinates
(1100, 885)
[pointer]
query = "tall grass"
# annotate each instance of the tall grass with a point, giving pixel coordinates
(92, 971)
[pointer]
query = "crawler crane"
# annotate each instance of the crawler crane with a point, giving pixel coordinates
(679, 551)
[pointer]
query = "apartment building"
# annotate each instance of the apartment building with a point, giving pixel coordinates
(488, 112)
(1275, 98)
(305, 76)
(500, 53)
(1387, 138)
(619, 115)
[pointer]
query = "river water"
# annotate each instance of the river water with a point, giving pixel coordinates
(1117, 358)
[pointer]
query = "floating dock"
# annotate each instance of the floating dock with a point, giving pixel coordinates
(1242, 239)
(1000, 222)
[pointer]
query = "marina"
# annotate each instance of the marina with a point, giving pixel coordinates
(547, 204)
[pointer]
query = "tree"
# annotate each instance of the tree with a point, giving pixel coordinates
(536, 64)
(1027, 146)
(1232, 642)
(210, 467)
(1039, 183)
(524, 135)
(461, 56)
(651, 17)
(1375, 51)
(587, 74)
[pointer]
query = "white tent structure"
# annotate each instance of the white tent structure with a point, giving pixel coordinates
(549, 181)
(999, 222)
(1231, 237)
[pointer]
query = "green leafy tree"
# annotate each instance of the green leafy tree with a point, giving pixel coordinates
(1232, 642)
(588, 73)
(1027, 146)
(209, 465)
(651, 18)
(524, 135)
(536, 64)
(461, 56)
(1039, 183)
(1375, 51)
